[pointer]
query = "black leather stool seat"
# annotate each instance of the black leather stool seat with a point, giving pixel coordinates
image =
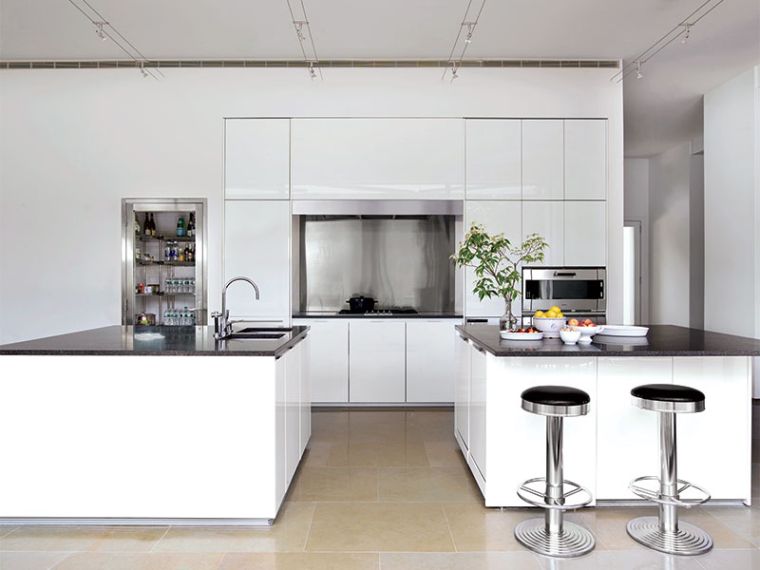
(555, 401)
(668, 398)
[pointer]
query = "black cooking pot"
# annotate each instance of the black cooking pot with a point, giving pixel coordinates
(361, 304)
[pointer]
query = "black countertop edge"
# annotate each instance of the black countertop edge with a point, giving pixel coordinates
(178, 341)
(662, 340)
(377, 316)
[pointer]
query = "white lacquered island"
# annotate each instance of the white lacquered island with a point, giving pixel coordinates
(132, 425)
(616, 442)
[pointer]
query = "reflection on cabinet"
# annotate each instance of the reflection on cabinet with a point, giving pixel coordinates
(293, 370)
(546, 218)
(585, 160)
(477, 407)
(494, 155)
(430, 364)
(378, 158)
(327, 361)
(585, 233)
(497, 217)
(542, 160)
(257, 245)
(377, 361)
(257, 159)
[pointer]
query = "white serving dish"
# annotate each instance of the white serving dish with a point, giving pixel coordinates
(511, 335)
(623, 330)
(588, 331)
(550, 327)
(570, 336)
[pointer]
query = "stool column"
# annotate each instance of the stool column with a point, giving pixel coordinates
(668, 470)
(554, 473)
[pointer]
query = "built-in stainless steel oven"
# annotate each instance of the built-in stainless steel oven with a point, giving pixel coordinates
(575, 290)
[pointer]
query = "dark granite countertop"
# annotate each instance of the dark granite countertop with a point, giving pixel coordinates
(335, 315)
(662, 340)
(175, 341)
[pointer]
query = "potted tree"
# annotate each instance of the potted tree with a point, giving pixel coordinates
(496, 263)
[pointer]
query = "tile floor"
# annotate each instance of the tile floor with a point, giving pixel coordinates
(379, 490)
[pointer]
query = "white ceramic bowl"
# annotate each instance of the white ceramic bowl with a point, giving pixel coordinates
(570, 336)
(550, 327)
(589, 331)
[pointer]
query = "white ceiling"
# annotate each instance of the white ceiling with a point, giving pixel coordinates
(662, 109)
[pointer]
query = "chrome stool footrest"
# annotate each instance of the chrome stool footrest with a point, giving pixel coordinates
(526, 493)
(656, 496)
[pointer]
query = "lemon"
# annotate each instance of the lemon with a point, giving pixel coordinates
(539, 314)
(555, 309)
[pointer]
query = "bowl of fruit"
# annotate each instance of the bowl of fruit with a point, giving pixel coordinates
(549, 322)
(522, 333)
(587, 327)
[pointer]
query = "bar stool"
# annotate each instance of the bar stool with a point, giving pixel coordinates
(551, 536)
(665, 533)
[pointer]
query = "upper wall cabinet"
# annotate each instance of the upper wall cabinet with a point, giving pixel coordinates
(494, 154)
(257, 159)
(585, 159)
(378, 159)
(585, 233)
(546, 218)
(542, 160)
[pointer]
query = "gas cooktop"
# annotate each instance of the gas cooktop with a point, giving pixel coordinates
(381, 311)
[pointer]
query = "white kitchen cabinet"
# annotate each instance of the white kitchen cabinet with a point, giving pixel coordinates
(257, 159)
(280, 440)
(430, 360)
(304, 404)
(377, 361)
(257, 245)
(585, 159)
(292, 409)
(542, 160)
(585, 233)
(377, 158)
(478, 393)
(546, 218)
(493, 159)
(462, 394)
(497, 217)
(327, 360)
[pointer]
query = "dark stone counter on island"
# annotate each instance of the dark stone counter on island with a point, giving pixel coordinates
(662, 340)
(140, 340)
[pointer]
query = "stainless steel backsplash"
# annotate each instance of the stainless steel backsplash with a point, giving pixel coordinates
(400, 261)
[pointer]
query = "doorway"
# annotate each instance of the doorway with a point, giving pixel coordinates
(632, 272)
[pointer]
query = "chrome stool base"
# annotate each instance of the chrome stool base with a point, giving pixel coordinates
(573, 540)
(688, 540)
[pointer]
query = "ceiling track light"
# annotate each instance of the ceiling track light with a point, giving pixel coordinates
(305, 39)
(99, 31)
(299, 24)
(466, 30)
(681, 30)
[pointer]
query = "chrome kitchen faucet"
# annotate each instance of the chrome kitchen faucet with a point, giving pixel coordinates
(222, 324)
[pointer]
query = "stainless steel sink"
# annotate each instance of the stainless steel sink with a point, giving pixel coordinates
(254, 335)
(265, 330)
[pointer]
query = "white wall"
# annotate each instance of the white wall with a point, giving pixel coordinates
(636, 200)
(74, 142)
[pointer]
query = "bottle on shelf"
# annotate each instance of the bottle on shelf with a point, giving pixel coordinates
(190, 253)
(181, 254)
(181, 230)
(146, 224)
(153, 226)
(137, 225)
(191, 225)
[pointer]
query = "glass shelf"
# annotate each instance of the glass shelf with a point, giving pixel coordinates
(166, 263)
(143, 237)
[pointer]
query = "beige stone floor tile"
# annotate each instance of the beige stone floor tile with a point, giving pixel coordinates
(300, 561)
(288, 534)
(444, 454)
(366, 454)
(140, 561)
(756, 480)
(329, 426)
(130, 539)
(460, 561)
(334, 484)
(6, 529)
(639, 559)
(742, 520)
(379, 527)
(427, 484)
(377, 427)
(720, 559)
(30, 560)
(477, 528)
(52, 538)
(431, 425)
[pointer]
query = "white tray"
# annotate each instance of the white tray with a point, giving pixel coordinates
(623, 330)
(509, 335)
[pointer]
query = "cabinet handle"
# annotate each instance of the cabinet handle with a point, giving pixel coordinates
(476, 347)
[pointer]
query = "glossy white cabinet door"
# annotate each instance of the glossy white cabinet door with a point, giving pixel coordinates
(378, 158)
(586, 159)
(494, 155)
(478, 399)
(257, 159)
(377, 361)
(497, 217)
(462, 402)
(585, 233)
(542, 160)
(546, 218)
(281, 440)
(304, 403)
(327, 359)
(292, 409)
(430, 360)
(257, 245)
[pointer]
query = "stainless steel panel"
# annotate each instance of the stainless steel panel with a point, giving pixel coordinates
(378, 207)
(399, 260)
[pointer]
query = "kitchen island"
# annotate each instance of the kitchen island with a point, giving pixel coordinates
(135, 424)
(616, 442)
